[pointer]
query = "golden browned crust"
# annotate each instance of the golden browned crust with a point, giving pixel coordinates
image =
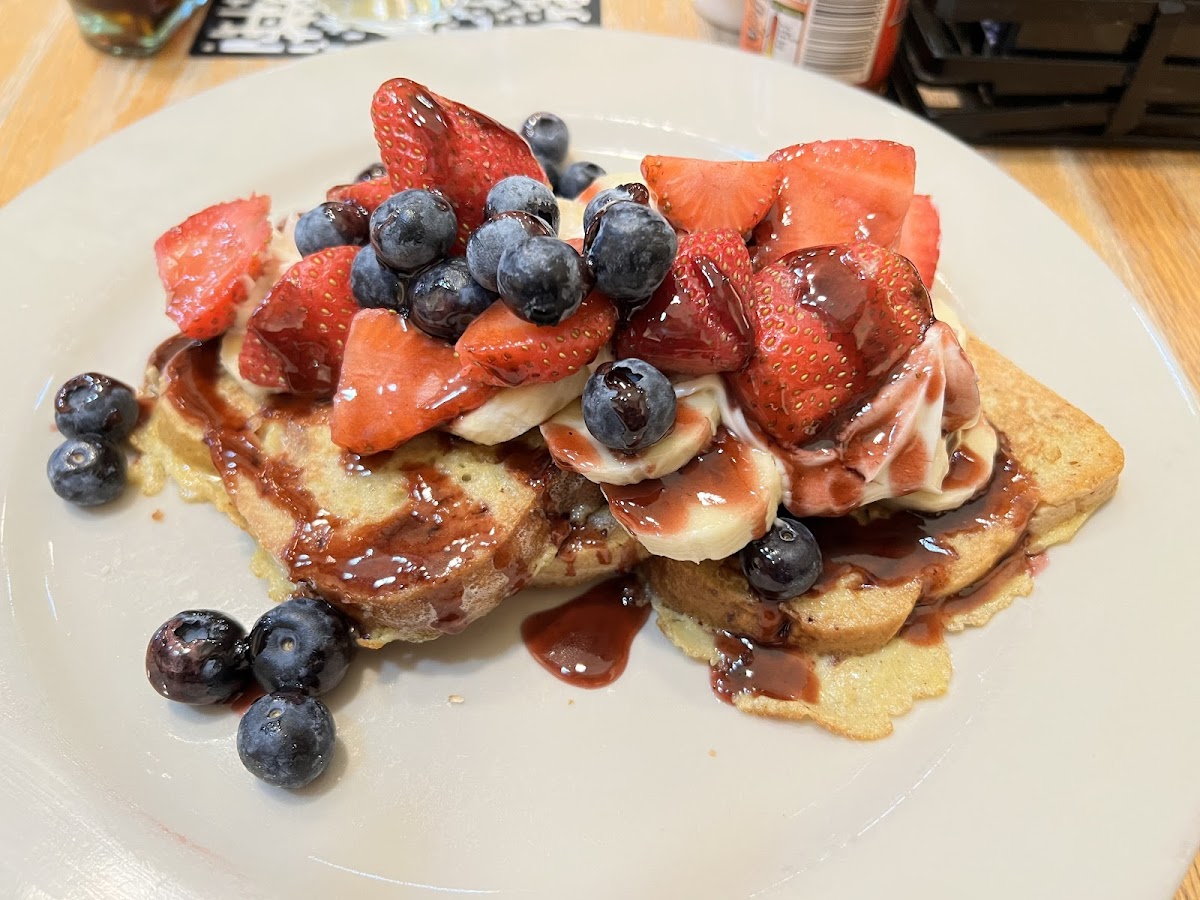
(1074, 460)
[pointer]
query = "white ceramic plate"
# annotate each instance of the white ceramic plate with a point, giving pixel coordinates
(1061, 764)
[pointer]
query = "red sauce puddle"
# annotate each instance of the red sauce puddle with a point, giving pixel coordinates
(585, 641)
(746, 668)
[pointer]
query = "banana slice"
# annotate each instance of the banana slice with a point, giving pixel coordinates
(514, 411)
(709, 509)
(697, 416)
(970, 469)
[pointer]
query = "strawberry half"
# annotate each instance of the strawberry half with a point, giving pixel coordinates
(701, 195)
(695, 323)
(295, 339)
(831, 322)
(397, 382)
(888, 309)
(204, 262)
(921, 236)
(834, 192)
(428, 141)
(499, 348)
(367, 194)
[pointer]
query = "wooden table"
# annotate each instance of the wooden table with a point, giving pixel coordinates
(1137, 208)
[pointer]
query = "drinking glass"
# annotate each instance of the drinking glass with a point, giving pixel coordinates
(131, 27)
(387, 16)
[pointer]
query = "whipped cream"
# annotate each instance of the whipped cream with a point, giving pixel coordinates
(899, 442)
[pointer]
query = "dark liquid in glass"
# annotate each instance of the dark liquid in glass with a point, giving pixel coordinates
(131, 27)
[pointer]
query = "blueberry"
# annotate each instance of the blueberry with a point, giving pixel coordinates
(783, 563)
(413, 228)
(547, 136)
(88, 470)
(95, 404)
(542, 280)
(373, 284)
(630, 251)
(332, 224)
(286, 739)
(303, 644)
(444, 299)
(198, 657)
(374, 170)
(576, 178)
(635, 191)
(552, 172)
(522, 194)
(628, 405)
(489, 241)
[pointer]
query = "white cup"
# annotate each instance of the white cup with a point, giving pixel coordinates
(723, 15)
(387, 16)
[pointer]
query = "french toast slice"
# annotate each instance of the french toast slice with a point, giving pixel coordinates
(596, 548)
(413, 543)
(849, 628)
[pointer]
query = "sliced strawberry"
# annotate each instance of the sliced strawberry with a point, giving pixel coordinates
(834, 192)
(367, 194)
(701, 195)
(396, 383)
(501, 349)
(295, 339)
(695, 323)
(427, 141)
(204, 262)
(830, 323)
(888, 310)
(921, 236)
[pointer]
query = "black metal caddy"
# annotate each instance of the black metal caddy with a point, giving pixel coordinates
(1115, 72)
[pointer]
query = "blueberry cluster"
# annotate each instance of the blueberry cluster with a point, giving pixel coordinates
(628, 250)
(296, 652)
(549, 139)
(95, 414)
(514, 256)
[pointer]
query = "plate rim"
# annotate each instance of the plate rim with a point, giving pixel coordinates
(81, 162)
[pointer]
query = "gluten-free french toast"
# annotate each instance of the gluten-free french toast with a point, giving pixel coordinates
(894, 581)
(443, 387)
(413, 543)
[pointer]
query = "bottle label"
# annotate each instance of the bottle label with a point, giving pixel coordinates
(757, 26)
(841, 38)
(789, 31)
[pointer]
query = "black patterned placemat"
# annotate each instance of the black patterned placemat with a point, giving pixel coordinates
(298, 28)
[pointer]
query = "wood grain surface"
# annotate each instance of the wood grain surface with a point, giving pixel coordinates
(1139, 209)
